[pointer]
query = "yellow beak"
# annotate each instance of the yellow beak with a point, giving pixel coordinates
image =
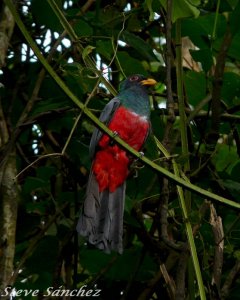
(148, 81)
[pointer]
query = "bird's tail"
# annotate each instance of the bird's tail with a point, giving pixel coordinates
(101, 219)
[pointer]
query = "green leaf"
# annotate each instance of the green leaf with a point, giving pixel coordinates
(44, 14)
(204, 56)
(94, 261)
(105, 49)
(127, 263)
(235, 171)
(195, 31)
(195, 83)
(47, 247)
(43, 260)
(52, 104)
(151, 12)
(230, 88)
(78, 78)
(27, 225)
(86, 51)
(64, 197)
(130, 65)
(200, 30)
(183, 8)
(33, 183)
(224, 157)
(46, 172)
(82, 28)
(141, 47)
(51, 98)
(233, 187)
(234, 19)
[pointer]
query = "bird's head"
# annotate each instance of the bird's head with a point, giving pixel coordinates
(137, 80)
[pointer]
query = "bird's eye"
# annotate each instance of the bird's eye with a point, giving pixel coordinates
(134, 78)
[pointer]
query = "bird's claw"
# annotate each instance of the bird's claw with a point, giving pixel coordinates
(135, 173)
(115, 133)
(141, 154)
(136, 165)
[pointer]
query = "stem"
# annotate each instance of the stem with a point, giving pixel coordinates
(190, 237)
(183, 118)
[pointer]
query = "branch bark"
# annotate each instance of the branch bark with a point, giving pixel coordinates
(217, 228)
(213, 135)
(229, 280)
(8, 217)
(8, 186)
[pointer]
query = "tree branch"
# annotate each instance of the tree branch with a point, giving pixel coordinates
(213, 135)
(229, 280)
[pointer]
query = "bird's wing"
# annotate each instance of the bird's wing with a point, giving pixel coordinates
(105, 117)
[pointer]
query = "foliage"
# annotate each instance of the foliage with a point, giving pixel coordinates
(45, 133)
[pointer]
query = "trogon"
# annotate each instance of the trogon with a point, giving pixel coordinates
(128, 115)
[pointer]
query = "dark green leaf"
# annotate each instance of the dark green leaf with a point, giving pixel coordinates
(140, 46)
(94, 261)
(204, 56)
(234, 19)
(46, 172)
(82, 28)
(44, 14)
(231, 88)
(195, 83)
(183, 8)
(224, 157)
(130, 65)
(105, 48)
(233, 187)
(47, 248)
(235, 172)
(33, 183)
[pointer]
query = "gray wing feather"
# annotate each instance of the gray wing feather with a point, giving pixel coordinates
(105, 117)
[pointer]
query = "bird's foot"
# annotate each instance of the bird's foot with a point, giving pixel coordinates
(137, 164)
(115, 133)
(112, 143)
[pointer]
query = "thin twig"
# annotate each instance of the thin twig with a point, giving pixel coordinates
(171, 288)
(36, 161)
(217, 228)
(116, 48)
